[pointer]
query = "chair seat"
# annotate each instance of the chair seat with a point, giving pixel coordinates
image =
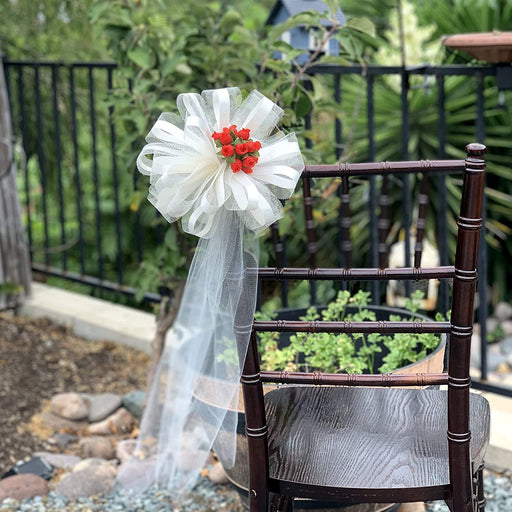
(367, 441)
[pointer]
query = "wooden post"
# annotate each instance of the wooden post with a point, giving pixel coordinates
(15, 273)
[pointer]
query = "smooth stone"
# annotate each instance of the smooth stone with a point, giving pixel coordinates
(88, 482)
(125, 449)
(134, 402)
(217, 474)
(97, 446)
(70, 406)
(62, 440)
(503, 311)
(57, 423)
(59, 460)
(119, 422)
(23, 486)
(92, 462)
(133, 471)
(101, 406)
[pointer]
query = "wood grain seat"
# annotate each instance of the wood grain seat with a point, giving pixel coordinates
(386, 440)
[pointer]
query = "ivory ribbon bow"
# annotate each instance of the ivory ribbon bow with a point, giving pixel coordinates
(219, 169)
(191, 180)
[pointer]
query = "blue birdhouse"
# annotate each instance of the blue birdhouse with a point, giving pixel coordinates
(301, 37)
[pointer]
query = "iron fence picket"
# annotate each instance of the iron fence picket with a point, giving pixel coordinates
(21, 72)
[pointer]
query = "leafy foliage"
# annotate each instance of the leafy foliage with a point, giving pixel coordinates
(348, 353)
(164, 49)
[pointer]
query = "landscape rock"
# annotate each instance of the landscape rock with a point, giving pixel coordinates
(62, 440)
(98, 446)
(56, 423)
(503, 311)
(70, 406)
(132, 469)
(22, 486)
(134, 402)
(91, 481)
(125, 449)
(217, 474)
(101, 406)
(59, 461)
(119, 422)
(92, 462)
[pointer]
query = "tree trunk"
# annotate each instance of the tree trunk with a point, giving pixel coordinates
(15, 274)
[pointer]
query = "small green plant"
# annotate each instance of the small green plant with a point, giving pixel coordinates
(348, 353)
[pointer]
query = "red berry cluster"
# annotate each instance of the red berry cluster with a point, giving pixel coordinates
(237, 148)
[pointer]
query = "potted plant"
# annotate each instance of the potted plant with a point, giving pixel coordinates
(339, 353)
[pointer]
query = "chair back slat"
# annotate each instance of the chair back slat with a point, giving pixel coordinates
(382, 380)
(356, 274)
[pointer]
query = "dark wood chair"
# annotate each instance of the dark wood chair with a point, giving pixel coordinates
(374, 438)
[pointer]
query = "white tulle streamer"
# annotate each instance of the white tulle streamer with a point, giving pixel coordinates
(191, 181)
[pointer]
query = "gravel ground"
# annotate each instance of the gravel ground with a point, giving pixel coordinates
(212, 498)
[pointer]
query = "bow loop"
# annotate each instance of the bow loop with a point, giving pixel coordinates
(193, 176)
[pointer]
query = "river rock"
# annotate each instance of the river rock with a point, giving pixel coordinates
(23, 486)
(101, 406)
(132, 469)
(91, 481)
(92, 462)
(134, 402)
(125, 449)
(62, 440)
(59, 461)
(217, 474)
(121, 421)
(503, 311)
(70, 406)
(97, 446)
(57, 423)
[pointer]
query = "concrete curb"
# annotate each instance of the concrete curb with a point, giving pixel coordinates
(91, 318)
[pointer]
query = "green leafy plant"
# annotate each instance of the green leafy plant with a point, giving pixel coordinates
(348, 353)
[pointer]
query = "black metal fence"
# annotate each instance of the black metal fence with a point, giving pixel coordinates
(77, 213)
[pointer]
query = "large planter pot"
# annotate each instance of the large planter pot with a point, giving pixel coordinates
(238, 474)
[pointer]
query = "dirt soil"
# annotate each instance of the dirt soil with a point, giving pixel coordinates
(39, 358)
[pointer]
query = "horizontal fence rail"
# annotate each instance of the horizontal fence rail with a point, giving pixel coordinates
(76, 197)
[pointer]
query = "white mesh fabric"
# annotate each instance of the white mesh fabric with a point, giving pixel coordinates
(191, 181)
